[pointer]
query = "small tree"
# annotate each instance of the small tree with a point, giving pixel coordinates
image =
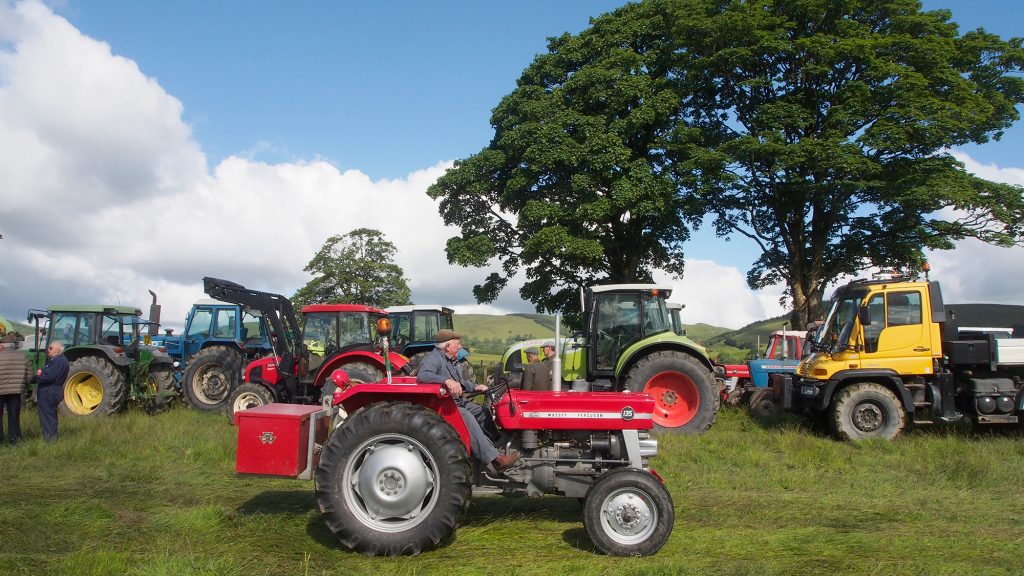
(355, 268)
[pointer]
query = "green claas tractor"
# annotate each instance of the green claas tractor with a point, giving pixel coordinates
(111, 363)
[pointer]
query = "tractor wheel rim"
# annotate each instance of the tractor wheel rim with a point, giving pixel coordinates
(628, 516)
(390, 483)
(247, 400)
(211, 385)
(868, 417)
(83, 393)
(676, 398)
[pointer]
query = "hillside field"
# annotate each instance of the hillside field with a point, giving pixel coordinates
(157, 495)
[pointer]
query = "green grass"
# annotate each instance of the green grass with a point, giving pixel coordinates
(154, 495)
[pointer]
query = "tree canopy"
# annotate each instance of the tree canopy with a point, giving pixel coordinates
(818, 129)
(355, 268)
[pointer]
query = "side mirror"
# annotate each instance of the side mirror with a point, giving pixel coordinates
(864, 315)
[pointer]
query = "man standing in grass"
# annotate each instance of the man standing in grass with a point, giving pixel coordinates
(15, 371)
(50, 388)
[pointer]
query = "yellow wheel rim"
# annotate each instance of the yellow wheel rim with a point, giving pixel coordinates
(83, 392)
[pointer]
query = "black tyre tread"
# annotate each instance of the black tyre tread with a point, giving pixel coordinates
(454, 480)
(710, 399)
(414, 363)
(163, 380)
(362, 371)
(115, 388)
(850, 396)
(355, 374)
(612, 480)
(230, 358)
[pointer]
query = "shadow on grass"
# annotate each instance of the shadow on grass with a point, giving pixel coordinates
(489, 509)
(292, 502)
(818, 425)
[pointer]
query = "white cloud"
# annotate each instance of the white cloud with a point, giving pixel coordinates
(718, 295)
(104, 195)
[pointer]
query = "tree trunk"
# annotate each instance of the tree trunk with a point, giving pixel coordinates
(806, 306)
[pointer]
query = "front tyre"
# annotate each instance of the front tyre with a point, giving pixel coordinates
(394, 480)
(867, 410)
(159, 388)
(628, 512)
(247, 396)
(685, 396)
(94, 387)
(762, 404)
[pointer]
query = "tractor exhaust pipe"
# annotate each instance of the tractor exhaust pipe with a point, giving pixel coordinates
(556, 362)
(154, 316)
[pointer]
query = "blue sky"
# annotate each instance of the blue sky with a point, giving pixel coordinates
(231, 138)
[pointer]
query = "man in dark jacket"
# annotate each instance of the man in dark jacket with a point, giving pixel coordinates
(50, 389)
(538, 375)
(440, 366)
(15, 371)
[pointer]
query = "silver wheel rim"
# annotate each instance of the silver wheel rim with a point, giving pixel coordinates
(210, 385)
(628, 516)
(868, 417)
(247, 400)
(390, 483)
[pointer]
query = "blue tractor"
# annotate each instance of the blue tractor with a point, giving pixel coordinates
(219, 340)
(414, 327)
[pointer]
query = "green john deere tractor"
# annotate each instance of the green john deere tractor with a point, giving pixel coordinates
(111, 361)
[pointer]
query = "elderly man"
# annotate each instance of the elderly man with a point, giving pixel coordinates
(15, 371)
(537, 376)
(440, 366)
(50, 388)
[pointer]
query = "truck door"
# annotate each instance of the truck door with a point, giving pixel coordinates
(616, 327)
(896, 337)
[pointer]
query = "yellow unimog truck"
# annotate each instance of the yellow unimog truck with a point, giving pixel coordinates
(891, 353)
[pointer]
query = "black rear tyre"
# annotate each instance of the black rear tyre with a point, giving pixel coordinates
(628, 512)
(211, 376)
(394, 480)
(94, 387)
(686, 399)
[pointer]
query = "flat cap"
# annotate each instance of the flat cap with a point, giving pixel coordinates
(446, 335)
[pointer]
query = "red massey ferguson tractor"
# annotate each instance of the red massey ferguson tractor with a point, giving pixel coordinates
(395, 476)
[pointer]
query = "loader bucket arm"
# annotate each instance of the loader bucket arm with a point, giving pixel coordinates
(274, 307)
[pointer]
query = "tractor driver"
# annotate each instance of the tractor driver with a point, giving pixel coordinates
(440, 366)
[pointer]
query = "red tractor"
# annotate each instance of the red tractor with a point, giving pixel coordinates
(395, 477)
(333, 336)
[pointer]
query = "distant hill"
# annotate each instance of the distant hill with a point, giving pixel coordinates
(491, 334)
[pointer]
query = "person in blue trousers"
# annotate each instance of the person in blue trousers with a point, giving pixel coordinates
(50, 388)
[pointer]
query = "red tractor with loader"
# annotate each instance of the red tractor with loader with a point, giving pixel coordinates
(395, 476)
(333, 336)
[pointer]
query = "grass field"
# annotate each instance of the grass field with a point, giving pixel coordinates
(157, 495)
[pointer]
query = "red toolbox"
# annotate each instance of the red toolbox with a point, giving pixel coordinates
(279, 439)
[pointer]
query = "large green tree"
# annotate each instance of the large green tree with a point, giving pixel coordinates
(819, 129)
(575, 187)
(355, 268)
(827, 129)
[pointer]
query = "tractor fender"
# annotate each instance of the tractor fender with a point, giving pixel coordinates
(405, 389)
(635, 354)
(121, 360)
(886, 377)
(398, 362)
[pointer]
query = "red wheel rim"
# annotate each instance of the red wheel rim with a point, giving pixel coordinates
(676, 398)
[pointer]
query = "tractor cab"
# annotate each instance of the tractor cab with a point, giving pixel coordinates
(620, 316)
(414, 327)
(332, 329)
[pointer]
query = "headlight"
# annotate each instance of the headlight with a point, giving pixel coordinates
(807, 390)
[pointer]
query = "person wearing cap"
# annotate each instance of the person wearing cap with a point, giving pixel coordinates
(15, 373)
(532, 354)
(50, 388)
(440, 366)
(537, 376)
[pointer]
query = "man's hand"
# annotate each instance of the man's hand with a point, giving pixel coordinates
(480, 387)
(39, 372)
(453, 387)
